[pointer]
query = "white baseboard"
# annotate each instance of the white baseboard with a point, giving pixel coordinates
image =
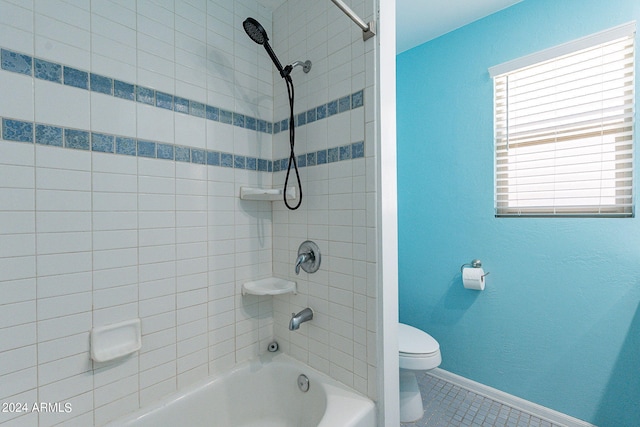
(509, 400)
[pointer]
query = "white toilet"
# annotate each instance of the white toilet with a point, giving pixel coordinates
(419, 351)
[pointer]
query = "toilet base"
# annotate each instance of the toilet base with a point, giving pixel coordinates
(411, 408)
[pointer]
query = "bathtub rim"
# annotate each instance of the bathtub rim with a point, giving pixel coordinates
(340, 396)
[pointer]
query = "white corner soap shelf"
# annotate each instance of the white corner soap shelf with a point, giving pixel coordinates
(269, 286)
(114, 341)
(270, 194)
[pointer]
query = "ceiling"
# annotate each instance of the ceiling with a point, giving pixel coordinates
(418, 21)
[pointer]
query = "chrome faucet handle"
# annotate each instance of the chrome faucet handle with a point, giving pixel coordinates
(308, 257)
(302, 258)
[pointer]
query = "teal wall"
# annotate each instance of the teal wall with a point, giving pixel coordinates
(559, 322)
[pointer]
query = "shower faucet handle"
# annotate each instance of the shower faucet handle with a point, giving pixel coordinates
(302, 258)
(308, 257)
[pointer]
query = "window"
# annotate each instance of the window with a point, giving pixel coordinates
(564, 125)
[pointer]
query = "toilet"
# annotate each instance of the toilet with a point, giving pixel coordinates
(419, 351)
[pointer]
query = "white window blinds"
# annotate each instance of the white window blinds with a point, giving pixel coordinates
(564, 132)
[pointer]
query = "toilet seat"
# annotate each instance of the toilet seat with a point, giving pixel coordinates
(418, 349)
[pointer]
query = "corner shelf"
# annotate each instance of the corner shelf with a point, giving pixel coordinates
(270, 194)
(269, 286)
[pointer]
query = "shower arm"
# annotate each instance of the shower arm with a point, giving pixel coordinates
(306, 65)
(285, 71)
(368, 30)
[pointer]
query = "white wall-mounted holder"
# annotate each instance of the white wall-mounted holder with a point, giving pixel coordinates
(269, 286)
(270, 194)
(114, 341)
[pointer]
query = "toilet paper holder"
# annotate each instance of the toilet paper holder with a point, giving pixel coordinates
(476, 263)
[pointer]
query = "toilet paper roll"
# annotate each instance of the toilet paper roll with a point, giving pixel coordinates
(473, 278)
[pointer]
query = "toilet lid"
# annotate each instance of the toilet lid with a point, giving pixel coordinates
(416, 341)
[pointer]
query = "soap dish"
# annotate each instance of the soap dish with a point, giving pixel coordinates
(113, 341)
(269, 286)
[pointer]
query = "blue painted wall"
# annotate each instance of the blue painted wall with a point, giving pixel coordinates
(558, 323)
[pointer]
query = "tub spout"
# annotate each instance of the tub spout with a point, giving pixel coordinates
(296, 319)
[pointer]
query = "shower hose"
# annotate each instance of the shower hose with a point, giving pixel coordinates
(292, 142)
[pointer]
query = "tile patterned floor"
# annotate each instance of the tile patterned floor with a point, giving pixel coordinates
(448, 405)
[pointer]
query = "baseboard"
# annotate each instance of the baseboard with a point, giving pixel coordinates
(510, 400)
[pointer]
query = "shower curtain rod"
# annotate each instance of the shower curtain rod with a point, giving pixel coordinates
(368, 30)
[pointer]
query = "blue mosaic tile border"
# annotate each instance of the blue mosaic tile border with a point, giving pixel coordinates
(336, 154)
(58, 73)
(30, 132)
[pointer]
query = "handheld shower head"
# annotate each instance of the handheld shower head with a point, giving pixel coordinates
(255, 31)
(258, 34)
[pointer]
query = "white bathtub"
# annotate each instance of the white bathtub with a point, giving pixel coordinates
(260, 393)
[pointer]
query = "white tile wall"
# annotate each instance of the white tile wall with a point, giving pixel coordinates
(16, 25)
(335, 213)
(88, 239)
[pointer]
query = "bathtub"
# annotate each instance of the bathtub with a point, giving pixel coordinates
(259, 393)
